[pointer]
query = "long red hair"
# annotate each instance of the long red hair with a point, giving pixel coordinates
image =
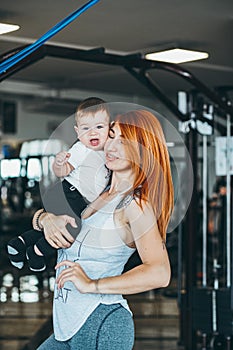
(150, 161)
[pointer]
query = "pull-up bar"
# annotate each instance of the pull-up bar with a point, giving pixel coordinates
(135, 64)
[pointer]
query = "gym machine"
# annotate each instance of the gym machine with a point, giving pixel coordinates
(208, 303)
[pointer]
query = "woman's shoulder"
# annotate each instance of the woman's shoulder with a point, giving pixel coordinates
(126, 201)
(133, 205)
(140, 216)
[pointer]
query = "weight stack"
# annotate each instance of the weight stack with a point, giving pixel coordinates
(205, 319)
(202, 310)
(224, 311)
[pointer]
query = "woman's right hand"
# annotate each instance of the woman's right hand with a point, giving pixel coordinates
(55, 230)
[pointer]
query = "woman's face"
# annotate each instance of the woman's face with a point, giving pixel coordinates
(115, 150)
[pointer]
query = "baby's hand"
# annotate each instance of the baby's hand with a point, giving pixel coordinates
(62, 158)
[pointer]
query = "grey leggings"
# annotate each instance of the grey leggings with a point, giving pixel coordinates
(109, 327)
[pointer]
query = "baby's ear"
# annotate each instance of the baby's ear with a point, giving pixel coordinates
(76, 129)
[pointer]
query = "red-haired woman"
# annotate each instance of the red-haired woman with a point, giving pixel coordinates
(131, 214)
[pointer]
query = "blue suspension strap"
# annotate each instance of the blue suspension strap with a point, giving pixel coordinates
(11, 61)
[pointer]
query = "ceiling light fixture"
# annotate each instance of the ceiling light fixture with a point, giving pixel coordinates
(177, 56)
(7, 28)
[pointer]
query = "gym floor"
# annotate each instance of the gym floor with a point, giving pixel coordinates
(25, 324)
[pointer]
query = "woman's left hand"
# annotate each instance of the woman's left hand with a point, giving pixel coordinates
(74, 273)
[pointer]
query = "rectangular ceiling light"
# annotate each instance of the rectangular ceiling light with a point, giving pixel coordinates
(177, 56)
(7, 28)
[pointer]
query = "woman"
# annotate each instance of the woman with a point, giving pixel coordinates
(132, 213)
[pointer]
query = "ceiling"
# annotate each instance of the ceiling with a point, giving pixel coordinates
(124, 27)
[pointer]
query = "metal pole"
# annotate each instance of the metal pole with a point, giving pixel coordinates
(144, 79)
(204, 220)
(228, 203)
(190, 248)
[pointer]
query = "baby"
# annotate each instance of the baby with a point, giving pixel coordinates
(85, 177)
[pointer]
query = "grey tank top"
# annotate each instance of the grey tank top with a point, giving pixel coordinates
(101, 252)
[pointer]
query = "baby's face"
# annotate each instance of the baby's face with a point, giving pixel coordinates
(92, 130)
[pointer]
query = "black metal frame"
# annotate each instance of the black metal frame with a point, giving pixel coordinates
(131, 63)
(138, 67)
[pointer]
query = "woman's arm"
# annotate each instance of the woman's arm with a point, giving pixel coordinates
(55, 231)
(154, 272)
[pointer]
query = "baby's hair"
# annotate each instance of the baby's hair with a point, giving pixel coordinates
(90, 105)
